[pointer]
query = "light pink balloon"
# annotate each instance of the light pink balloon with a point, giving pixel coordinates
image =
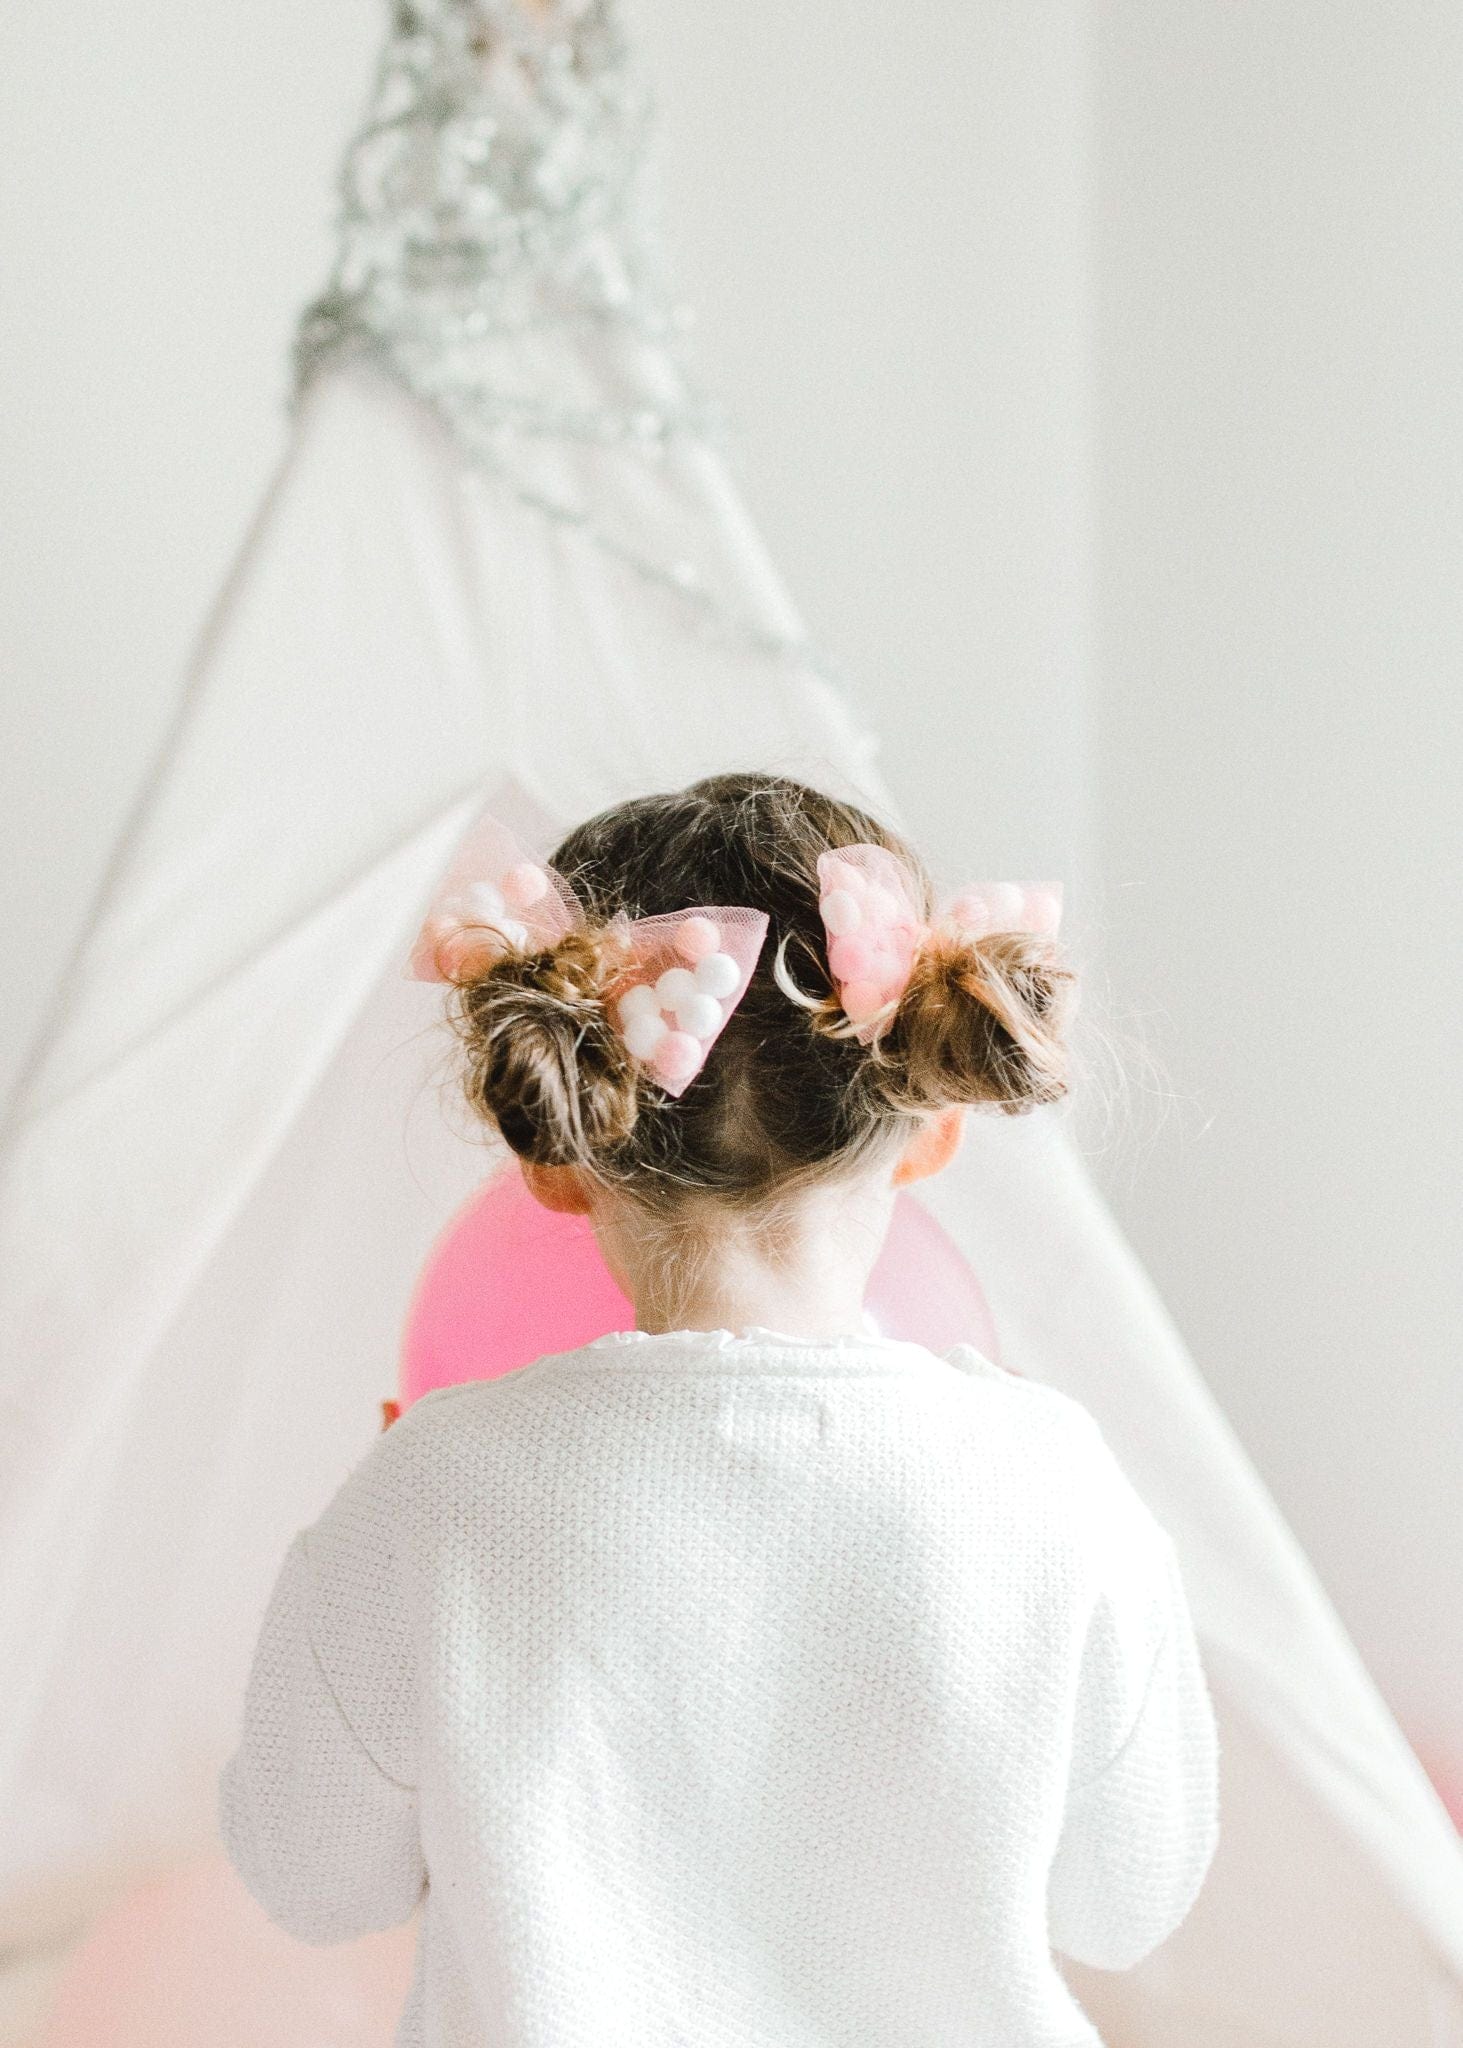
(509, 1281)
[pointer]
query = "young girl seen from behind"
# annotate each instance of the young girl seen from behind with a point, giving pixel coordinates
(746, 1679)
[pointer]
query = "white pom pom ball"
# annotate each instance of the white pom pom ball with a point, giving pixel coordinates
(717, 975)
(840, 874)
(841, 912)
(698, 1014)
(1007, 904)
(674, 986)
(637, 1002)
(478, 903)
(644, 1034)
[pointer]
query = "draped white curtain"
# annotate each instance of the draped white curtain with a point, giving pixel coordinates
(233, 1153)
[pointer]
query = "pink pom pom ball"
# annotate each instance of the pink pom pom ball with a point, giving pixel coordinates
(462, 956)
(678, 1056)
(524, 885)
(1043, 909)
(851, 959)
(971, 912)
(862, 1000)
(698, 938)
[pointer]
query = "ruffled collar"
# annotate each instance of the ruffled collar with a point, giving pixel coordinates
(751, 1349)
(753, 1334)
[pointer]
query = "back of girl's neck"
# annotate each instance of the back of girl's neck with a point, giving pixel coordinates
(789, 1315)
(806, 1279)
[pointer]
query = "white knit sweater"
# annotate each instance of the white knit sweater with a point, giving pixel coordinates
(718, 1691)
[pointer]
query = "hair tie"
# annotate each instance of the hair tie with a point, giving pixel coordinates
(869, 903)
(685, 973)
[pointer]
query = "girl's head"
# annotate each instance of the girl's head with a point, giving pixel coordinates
(788, 1097)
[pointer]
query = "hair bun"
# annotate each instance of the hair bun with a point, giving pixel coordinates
(541, 1060)
(982, 1021)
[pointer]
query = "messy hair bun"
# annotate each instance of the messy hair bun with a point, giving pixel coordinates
(790, 1093)
(540, 1060)
(982, 1021)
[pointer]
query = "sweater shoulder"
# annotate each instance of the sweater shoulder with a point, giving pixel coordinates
(1075, 1452)
(1043, 1407)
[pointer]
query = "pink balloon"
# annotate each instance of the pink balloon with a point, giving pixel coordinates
(922, 1287)
(509, 1281)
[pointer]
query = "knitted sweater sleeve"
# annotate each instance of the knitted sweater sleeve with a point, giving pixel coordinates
(316, 1808)
(1141, 1820)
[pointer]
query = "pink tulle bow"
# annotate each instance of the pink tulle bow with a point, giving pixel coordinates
(869, 904)
(687, 970)
(494, 898)
(690, 969)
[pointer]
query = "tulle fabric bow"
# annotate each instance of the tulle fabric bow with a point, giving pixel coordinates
(869, 904)
(686, 971)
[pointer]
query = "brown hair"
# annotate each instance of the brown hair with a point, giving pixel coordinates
(787, 1094)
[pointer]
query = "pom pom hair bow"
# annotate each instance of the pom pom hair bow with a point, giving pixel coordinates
(869, 903)
(685, 971)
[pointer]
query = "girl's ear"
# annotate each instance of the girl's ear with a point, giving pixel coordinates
(932, 1147)
(556, 1187)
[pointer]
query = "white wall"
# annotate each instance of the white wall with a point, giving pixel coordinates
(920, 307)
(166, 194)
(883, 234)
(1279, 249)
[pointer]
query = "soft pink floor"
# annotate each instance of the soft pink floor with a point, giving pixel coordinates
(189, 1961)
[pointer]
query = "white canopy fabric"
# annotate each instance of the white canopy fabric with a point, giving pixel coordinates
(235, 1150)
(234, 1147)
